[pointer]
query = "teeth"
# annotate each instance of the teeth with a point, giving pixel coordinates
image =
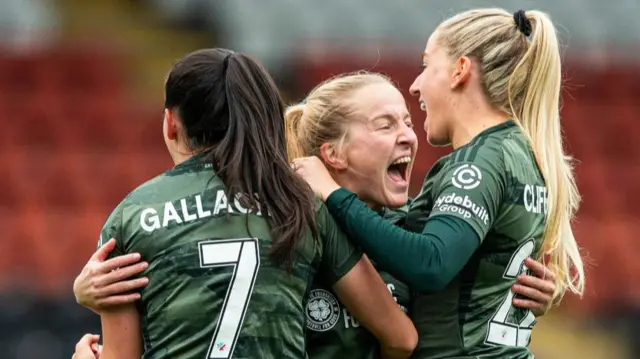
(423, 106)
(400, 160)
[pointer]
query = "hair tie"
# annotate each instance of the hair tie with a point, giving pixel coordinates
(522, 22)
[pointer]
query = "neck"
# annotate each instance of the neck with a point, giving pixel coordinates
(180, 155)
(346, 182)
(469, 127)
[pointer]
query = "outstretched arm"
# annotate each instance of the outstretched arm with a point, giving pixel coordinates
(426, 261)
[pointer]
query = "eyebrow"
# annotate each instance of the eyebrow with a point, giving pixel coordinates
(389, 116)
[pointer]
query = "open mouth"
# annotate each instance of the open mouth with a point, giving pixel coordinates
(398, 170)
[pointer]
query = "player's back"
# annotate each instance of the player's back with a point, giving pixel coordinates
(473, 317)
(214, 291)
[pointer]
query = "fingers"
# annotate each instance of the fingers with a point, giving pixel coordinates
(300, 161)
(532, 294)
(122, 287)
(527, 304)
(119, 262)
(103, 252)
(539, 269)
(84, 346)
(543, 285)
(120, 273)
(88, 339)
(119, 299)
(97, 350)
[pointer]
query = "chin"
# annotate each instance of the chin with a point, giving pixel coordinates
(437, 141)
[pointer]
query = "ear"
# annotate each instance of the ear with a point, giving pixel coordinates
(332, 157)
(461, 72)
(171, 124)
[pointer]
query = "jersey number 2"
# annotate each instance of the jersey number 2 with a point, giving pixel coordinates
(244, 255)
(517, 334)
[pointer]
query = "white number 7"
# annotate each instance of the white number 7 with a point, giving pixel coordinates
(244, 255)
(517, 334)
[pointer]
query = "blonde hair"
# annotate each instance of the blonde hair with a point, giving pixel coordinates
(323, 116)
(521, 74)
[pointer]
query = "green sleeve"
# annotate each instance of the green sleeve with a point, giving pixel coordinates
(112, 228)
(396, 216)
(426, 261)
(472, 190)
(339, 255)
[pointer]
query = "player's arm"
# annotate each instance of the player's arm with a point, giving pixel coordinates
(366, 297)
(462, 215)
(362, 291)
(121, 333)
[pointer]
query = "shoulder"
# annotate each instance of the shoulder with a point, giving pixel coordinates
(440, 164)
(140, 195)
(325, 224)
(480, 150)
(115, 217)
(147, 189)
(481, 163)
(485, 155)
(323, 217)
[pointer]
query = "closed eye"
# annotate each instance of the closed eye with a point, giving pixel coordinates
(384, 123)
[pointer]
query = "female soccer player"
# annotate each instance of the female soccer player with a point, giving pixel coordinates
(359, 123)
(233, 238)
(368, 129)
(491, 88)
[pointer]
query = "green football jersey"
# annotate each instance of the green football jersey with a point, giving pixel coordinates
(214, 291)
(333, 333)
(494, 185)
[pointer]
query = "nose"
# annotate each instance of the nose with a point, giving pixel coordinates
(407, 136)
(414, 89)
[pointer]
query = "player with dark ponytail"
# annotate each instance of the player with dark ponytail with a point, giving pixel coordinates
(233, 239)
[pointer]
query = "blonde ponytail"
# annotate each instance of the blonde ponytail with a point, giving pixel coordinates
(292, 118)
(519, 57)
(539, 71)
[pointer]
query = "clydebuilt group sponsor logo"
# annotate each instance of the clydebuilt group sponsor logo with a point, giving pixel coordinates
(463, 206)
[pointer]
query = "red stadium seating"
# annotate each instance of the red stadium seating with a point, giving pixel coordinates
(74, 147)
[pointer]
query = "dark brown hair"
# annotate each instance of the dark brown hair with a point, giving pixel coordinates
(229, 105)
